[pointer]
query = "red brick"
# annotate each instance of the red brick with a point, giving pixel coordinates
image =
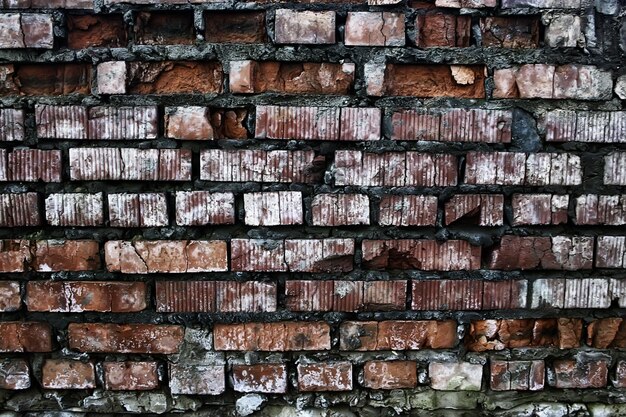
(311, 295)
(165, 256)
(439, 29)
(390, 374)
(53, 4)
(455, 125)
(11, 125)
(257, 255)
(581, 373)
(509, 168)
(67, 374)
(260, 166)
(237, 26)
(197, 379)
(198, 208)
(397, 335)
(318, 123)
(74, 209)
(80, 296)
(321, 377)
(25, 337)
(394, 169)
(249, 296)
(447, 295)
(510, 32)
(19, 210)
(460, 376)
(66, 255)
(425, 255)
(517, 375)
(137, 122)
(556, 252)
(553, 169)
(175, 77)
(101, 122)
(32, 165)
(130, 376)
(304, 27)
(188, 123)
(584, 126)
(164, 27)
(138, 210)
(345, 295)
(519, 333)
(47, 79)
(374, 29)
(534, 209)
(593, 209)
(14, 374)
(614, 172)
(274, 208)
(501, 168)
(15, 255)
(428, 80)
(319, 255)
(504, 294)
(91, 30)
(296, 255)
(291, 77)
(26, 30)
(272, 337)
(472, 4)
(407, 210)
(264, 378)
(606, 333)
(340, 209)
(10, 297)
(480, 209)
(543, 4)
(111, 77)
(125, 338)
(581, 82)
(610, 252)
(571, 293)
(130, 164)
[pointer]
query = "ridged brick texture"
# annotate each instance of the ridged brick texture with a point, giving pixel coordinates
(312, 208)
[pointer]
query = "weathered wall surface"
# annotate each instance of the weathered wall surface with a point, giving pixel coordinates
(312, 208)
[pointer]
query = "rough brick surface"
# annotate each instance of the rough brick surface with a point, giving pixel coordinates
(325, 377)
(165, 256)
(312, 208)
(304, 27)
(272, 337)
(130, 376)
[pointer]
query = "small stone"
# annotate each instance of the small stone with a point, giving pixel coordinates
(249, 404)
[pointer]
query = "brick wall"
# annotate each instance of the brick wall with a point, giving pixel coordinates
(312, 208)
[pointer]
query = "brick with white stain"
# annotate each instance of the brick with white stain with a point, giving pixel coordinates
(340, 209)
(273, 208)
(199, 208)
